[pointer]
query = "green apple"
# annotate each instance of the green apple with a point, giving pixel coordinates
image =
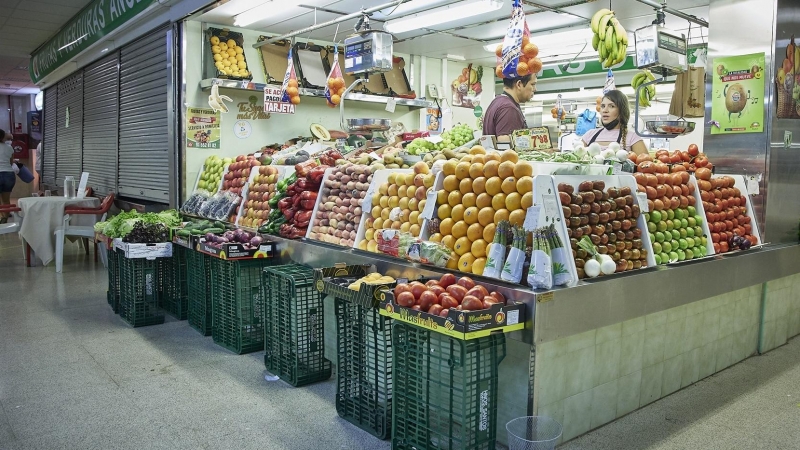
(673, 256)
(689, 254)
(660, 236)
(690, 232)
(679, 214)
(698, 219)
(690, 220)
(651, 227)
(657, 257)
(692, 210)
(670, 225)
(684, 223)
(690, 242)
(655, 216)
(664, 258)
(666, 246)
(683, 244)
(662, 226)
(646, 217)
(657, 248)
(681, 255)
(703, 241)
(675, 244)
(670, 214)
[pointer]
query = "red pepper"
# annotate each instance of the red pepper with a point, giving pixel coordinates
(285, 203)
(302, 184)
(316, 174)
(307, 204)
(308, 195)
(302, 217)
(296, 201)
(289, 213)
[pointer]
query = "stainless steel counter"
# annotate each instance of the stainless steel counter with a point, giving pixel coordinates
(564, 312)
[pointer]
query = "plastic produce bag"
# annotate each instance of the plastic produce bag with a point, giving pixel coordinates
(334, 89)
(290, 87)
(518, 56)
(610, 85)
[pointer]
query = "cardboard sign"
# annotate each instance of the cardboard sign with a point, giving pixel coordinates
(273, 104)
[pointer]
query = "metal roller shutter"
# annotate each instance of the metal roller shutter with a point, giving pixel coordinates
(100, 123)
(69, 129)
(49, 137)
(144, 160)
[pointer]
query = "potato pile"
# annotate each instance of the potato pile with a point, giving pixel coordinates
(609, 218)
(339, 211)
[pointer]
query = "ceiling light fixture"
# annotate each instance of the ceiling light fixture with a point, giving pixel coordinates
(253, 15)
(559, 39)
(437, 16)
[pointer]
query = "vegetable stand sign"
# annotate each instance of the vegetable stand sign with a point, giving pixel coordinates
(738, 94)
(536, 138)
(202, 128)
(273, 101)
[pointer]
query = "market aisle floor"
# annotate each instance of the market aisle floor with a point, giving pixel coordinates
(75, 376)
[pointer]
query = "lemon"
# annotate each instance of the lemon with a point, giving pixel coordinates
(475, 232)
(488, 232)
(459, 229)
(443, 212)
(476, 170)
(231, 43)
(471, 215)
(446, 226)
(468, 199)
(462, 246)
(465, 185)
(465, 262)
(435, 237)
(214, 40)
(217, 57)
(478, 265)
(239, 50)
(449, 242)
(457, 213)
(215, 49)
(454, 198)
(451, 183)
(478, 248)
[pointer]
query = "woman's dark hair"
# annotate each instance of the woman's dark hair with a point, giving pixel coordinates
(2, 135)
(621, 101)
(510, 82)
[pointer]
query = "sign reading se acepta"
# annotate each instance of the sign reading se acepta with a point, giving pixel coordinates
(96, 20)
(273, 103)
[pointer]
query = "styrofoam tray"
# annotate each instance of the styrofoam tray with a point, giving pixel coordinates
(378, 177)
(617, 181)
(574, 169)
(741, 184)
(701, 211)
(544, 187)
(325, 176)
(221, 179)
(282, 173)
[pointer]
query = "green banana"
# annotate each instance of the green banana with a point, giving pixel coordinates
(609, 43)
(596, 19)
(638, 79)
(595, 41)
(602, 51)
(603, 27)
(650, 76)
(623, 52)
(621, 33)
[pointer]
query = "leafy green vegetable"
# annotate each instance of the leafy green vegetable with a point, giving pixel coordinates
(120, 225)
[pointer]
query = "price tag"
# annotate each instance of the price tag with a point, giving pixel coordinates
(752, 185)
(532, 218)
(641, 198)
(390, 104)
(366, 205)
(434, 139)
(550, 206)
(257, 155)
(374, 156)
(616, 168)
(430, 205)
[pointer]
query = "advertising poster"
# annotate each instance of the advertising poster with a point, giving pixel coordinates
(788, 81)
(202, 128)
(467, 87)
(737, 105)
(433, 120)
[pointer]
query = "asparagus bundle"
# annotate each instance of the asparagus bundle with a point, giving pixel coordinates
(497, 251)
(559, 255)
(540, 272)
(512, 269)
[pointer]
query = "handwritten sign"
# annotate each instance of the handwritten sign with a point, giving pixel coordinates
(536, 138)
(273, 103)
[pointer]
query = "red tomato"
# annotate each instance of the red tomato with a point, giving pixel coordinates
(694, 150)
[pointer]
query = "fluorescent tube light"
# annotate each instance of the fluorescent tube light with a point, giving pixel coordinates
(253, 15)
(449, 13)
(559, 39)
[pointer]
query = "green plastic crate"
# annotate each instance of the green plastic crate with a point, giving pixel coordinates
(364, 367)
(172, 287)
(294, 331)
(112, 294)
(445, 390)
(138, 303)
(198, 280)
(238, 303)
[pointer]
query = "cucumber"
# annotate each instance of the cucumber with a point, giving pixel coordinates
(214, 230)
(184, 233)
(196, 232)
(219, 224)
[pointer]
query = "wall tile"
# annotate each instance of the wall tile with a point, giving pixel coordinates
(768, 335)
(552, 349)
(710, 326)
(674, 314)
(727, 313)
(554, 411)
(655, 319)
(794, 322)
(579, 371)
(693, 332)
(691, 367)
(577, 415)
(633, 326)
(673, 369)
(675, 338)
(741, 317)
(608, 333)
(550, 380)
(628, 392)
(694, 308)
(652, 379)
(653, 352)
(606, 361)
(754, 309)
(781, 330)
(708, 360)
(580, 341)
(630, 359)
(604, 404)
(724, 351)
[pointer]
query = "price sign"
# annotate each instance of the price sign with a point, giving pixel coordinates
(752, 185)
(532, 218)
(641, 198)
(273, 101)
(541, 138)
(430, 205)
(550, 207)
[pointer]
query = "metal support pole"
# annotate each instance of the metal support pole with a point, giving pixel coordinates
(675, 12)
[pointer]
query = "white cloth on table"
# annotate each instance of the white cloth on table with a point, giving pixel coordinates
(42, 216)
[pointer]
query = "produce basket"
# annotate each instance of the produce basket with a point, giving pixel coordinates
(369, 295)
(138, 303)
(217, 55)
(445, 390)
(364, 363)
(294, 330)
(112, 295)
(172, 283)
(238, 304)
(198, 281)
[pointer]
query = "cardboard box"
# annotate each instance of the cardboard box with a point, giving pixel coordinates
(368, 295)
(147, 251)
(187, 242)
(237, 251)
(464, 325)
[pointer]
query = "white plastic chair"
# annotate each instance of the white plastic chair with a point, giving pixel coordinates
(15, 225)
(84, 232)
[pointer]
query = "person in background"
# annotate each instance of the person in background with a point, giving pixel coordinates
(615, 114)
(504, 115)
(38, 166)
(7, 176)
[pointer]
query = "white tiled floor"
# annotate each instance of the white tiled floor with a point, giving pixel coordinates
(74, 376)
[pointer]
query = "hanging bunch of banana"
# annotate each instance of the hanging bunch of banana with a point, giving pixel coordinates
(648, 93)
(610, 39)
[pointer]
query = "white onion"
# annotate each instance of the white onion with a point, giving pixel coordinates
(614, 146)
(598, 159)
(622, 155)
(594, 149)
(607, 153)
(591, 268)
(608, 266)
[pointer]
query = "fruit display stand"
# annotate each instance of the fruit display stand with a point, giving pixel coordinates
(445, 389)
(363, 349)
(366, 227)
(257, 193)
(173, 288)
(139, 282)
(723, 214)
(294, 328)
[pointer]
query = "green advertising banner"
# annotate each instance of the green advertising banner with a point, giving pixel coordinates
(202, 128)
(96, 20)
(737, 105)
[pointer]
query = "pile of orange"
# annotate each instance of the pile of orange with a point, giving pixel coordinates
(529, 62)
(293, 90)
(336, 87)
(479, 192)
